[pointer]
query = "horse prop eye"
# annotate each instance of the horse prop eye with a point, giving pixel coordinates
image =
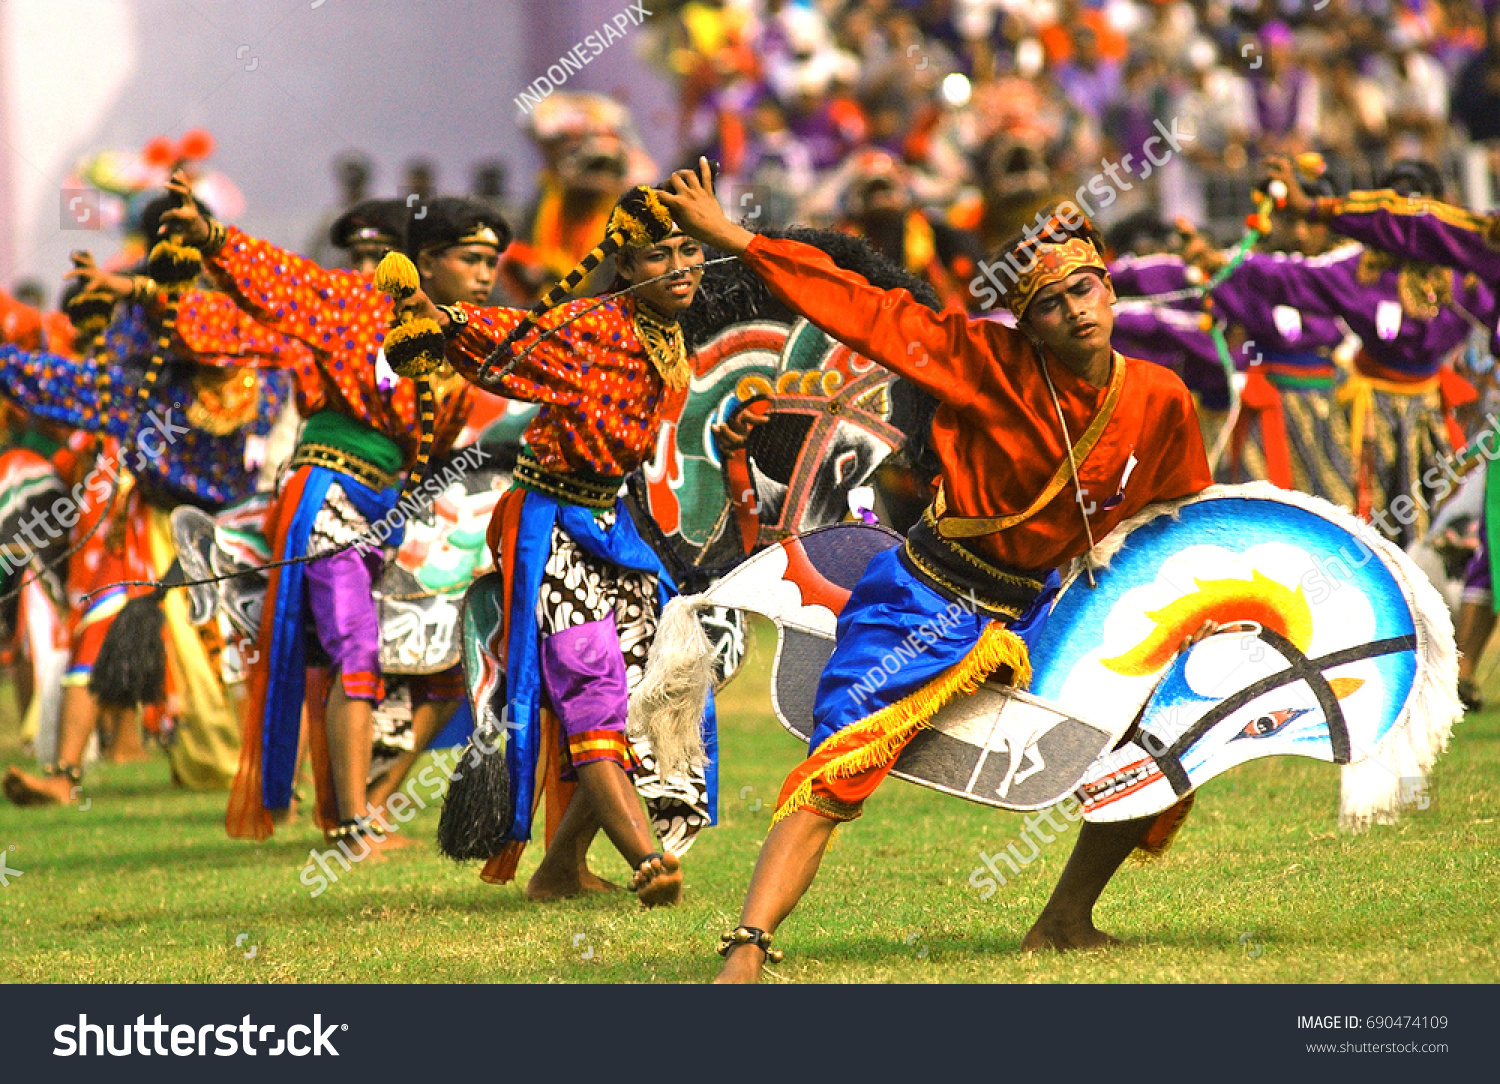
(1263, 726)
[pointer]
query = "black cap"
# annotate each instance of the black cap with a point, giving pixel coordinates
(449, 221)
(377, 221)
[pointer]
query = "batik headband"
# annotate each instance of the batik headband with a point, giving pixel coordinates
(1039, 265)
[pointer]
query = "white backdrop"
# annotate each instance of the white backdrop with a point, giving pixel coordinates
(284, 86)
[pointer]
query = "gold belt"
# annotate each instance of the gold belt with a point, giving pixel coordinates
(598, 492)
(336, 459)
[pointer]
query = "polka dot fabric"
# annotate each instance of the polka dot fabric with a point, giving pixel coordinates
(342, 319)
(600, 395)
(162, 449)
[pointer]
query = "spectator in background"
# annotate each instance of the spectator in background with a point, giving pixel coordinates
(1352, 128)
(420, 180)
(1092, 83)
(1285, 95)
(1476, 97)
(1216, 107)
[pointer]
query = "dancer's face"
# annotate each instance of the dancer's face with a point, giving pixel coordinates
(459, 273)
(1073, 317)
(669, 296)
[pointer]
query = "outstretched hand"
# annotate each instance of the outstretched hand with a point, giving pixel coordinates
(185, 220)
(420, 305)
(97, 280)
(689, 195)
(1280, 168)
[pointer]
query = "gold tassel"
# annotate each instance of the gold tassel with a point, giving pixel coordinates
(396, 276)
(90, 311)
(640, 217)
(173, 265)
(415, 347)
(896, 723)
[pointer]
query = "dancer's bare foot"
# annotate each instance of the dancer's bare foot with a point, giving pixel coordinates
(1066, 936)
(555, 882)
(658, 880)
(742, 966)
(393, 841)
(590, 881)
(24, 789)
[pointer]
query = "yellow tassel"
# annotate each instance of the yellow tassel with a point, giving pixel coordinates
(90, 312)
(396, 276)
(893, 726)
(415, 347)
(640, 217)
(173, 265)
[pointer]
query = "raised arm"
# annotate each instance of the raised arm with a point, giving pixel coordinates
(292, 295)
(213, 330)
(530, 381)
(945, 354)
(69, 392)
(1313, 285)
(1142, 276)
(1417, 229)
(329, 310)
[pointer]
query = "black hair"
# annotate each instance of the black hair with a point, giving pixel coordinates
(1055, 229)
(1414, 177)
(732, 294)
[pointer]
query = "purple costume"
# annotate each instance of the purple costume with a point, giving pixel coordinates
(1438, 233)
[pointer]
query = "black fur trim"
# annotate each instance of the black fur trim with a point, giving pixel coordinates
(477, 812)
(733, 294)
(132, 665)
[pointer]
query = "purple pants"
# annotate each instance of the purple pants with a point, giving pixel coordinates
(341, 595)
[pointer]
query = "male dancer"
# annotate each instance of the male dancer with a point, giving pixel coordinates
(186, 445)
(1006, 483)
(346, 475)
(583, 588)
(1410, 316)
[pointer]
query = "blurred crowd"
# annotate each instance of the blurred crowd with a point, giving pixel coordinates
(981, 108)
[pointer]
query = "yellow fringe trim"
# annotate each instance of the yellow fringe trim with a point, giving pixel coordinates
(896, 723)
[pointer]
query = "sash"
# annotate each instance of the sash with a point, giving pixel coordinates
(974, 526)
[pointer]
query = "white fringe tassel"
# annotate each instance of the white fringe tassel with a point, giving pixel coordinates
(1380, 782)
(666, 708)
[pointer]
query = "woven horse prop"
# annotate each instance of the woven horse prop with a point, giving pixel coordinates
(1331, 645)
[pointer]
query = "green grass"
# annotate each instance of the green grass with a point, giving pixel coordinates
(144, 886)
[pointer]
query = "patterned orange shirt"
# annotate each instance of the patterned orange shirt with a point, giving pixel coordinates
(601, 397)
(996, 428)
(341, 318)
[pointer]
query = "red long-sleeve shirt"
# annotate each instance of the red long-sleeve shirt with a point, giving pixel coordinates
(996, 429)
(602, 399)
(341, 318)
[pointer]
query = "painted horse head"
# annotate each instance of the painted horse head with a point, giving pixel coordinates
(1331, 645)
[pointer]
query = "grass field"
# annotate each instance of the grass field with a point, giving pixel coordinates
(143, 886)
